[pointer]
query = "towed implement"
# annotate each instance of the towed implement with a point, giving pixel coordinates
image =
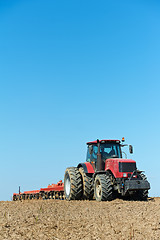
(104, 176)
(53, 191)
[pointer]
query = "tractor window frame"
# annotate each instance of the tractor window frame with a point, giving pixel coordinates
(88, 157)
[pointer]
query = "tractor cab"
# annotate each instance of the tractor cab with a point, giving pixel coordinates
(108, 149)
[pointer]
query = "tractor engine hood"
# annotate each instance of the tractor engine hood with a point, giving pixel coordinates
(118, 166)
(125, 160)
(120, 160)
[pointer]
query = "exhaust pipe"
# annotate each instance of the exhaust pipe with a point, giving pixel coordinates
(99, 158)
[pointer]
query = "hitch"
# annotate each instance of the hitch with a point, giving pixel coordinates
(135, 172)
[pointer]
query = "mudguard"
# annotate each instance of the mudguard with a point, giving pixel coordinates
(88, 168)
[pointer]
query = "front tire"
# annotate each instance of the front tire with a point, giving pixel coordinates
(72, 184)
(103, 189)
(141, 195)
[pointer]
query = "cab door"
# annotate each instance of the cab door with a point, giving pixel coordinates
(92, 158)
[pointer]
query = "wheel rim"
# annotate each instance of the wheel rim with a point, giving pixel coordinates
(98, 189)
(67, 185)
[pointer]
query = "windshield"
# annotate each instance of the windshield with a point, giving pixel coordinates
(109, 150)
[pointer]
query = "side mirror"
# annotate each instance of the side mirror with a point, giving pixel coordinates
(131, 149)
(90, 149)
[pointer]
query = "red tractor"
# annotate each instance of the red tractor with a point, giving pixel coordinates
(105, 175)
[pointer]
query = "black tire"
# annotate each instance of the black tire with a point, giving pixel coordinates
(72, 184)
(103, 189)
(141, 195)
(88, 190)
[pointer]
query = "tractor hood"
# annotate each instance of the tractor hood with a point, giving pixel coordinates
(124, 160)
(118, 166)
(120, 160)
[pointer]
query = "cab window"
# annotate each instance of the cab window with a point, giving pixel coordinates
(92, 157)
(88, 159)
(94, 154)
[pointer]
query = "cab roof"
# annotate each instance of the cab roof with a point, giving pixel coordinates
(103, 141)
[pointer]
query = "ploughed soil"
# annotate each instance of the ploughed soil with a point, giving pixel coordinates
(60, 219)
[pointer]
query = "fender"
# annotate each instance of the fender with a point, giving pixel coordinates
(87, 167)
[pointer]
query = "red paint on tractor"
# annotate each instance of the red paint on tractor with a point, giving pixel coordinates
(113, 165)
(89, 167)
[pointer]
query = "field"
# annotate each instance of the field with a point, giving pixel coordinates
(59, 219)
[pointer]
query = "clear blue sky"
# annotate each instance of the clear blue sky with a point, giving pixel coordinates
(72, 72)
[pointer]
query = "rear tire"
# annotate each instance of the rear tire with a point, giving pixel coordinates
(88, 190)
(72, 184)
(103, 189)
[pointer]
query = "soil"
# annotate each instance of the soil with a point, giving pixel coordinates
(90, 220)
